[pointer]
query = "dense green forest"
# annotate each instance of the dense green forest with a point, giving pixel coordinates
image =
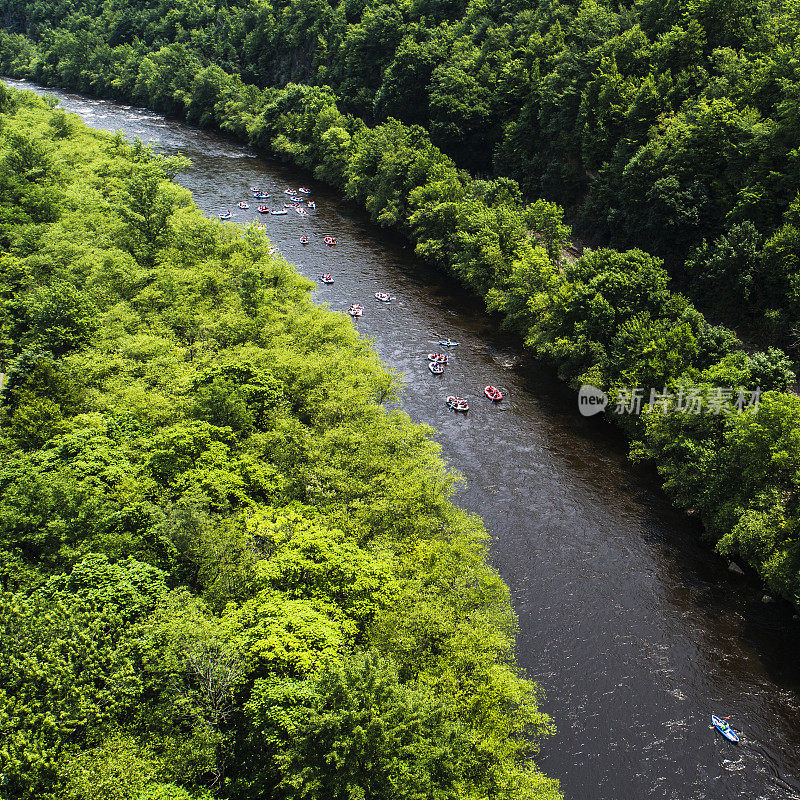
(227, 567)
(609, 318)
(672, 127)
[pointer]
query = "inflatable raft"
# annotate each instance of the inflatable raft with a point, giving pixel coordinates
(457, 403)
(493, 393)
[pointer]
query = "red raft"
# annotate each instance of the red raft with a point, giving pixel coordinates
(493, 393)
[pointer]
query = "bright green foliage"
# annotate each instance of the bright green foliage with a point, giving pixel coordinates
(763, 452)
(56, 318)
(367, 735)
(211, 528)
(546, 221)
(118, 769)
(65, 674)
(741, 471)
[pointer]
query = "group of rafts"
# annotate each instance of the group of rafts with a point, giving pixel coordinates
(296, 197)
(295, 200)
(436, 361)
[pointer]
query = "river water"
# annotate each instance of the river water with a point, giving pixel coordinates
(635, 631)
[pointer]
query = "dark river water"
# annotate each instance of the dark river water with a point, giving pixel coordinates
(635, 631)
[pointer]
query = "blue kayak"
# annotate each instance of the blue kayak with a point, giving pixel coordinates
(725, 729)
(447, 343)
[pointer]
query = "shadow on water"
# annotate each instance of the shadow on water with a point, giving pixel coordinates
(636, 631)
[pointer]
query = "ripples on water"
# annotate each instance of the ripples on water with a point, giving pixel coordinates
(635, 631)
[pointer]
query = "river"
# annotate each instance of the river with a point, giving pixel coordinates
(634, 630)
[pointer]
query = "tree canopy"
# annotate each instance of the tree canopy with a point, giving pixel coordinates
(204, 586)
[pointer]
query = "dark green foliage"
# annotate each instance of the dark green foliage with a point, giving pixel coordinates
(667, 129)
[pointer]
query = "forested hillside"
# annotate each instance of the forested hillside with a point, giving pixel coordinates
(226, 569)
(672, 127)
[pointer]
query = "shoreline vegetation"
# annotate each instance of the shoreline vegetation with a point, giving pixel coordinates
(226, 569)
(609, 319)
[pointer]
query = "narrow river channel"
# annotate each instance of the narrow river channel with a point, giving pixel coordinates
(635, 632)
